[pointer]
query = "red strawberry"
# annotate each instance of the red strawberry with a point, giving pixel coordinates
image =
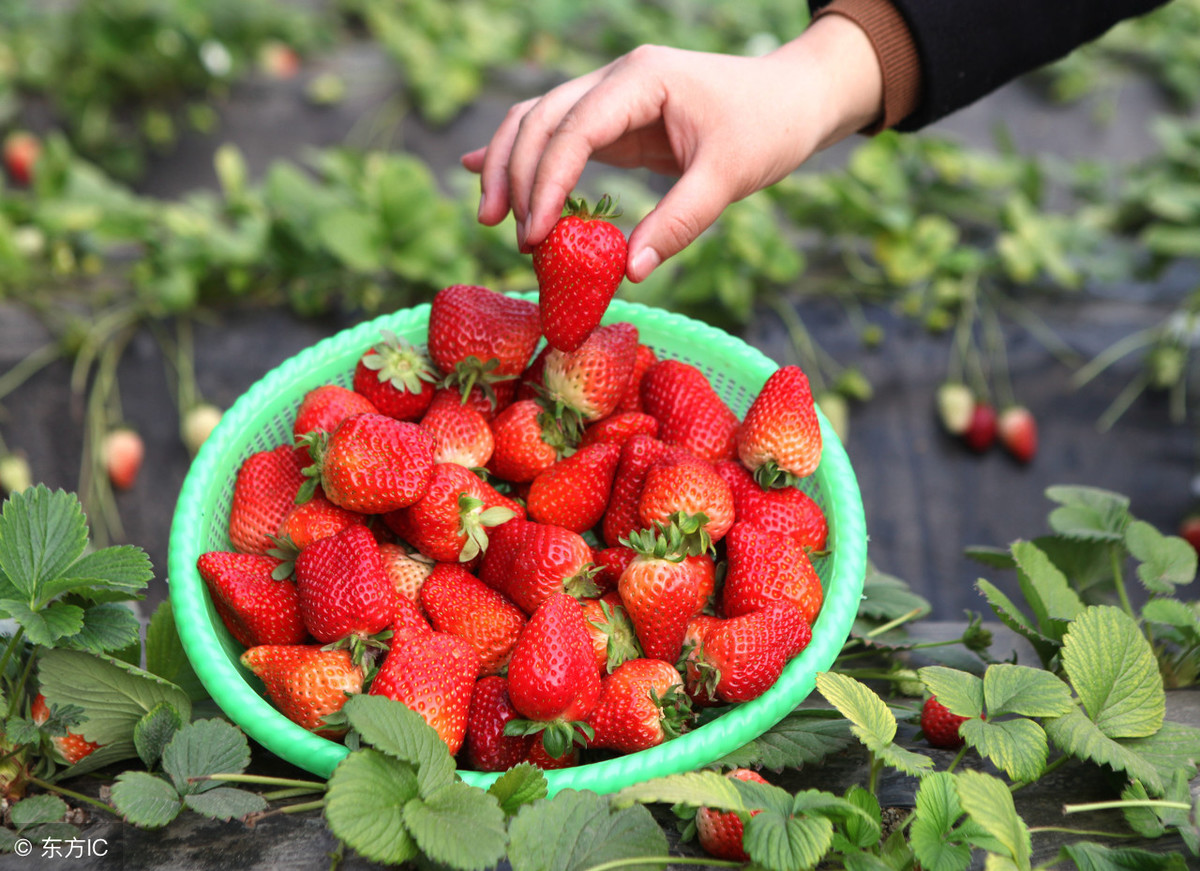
(255, 607)
(307, 683)
(343, 588)
(396, 377)
(552, 676)
(433, 674)
(579, 267)
(123, 451)
(981, 432)
(665, 585)
(371, 463)
(1017, 429)
(315, 519)
(21, 152)
(690, 412)
(528, 562)
(409, 616)
(741, 658)
(487, 747)
(278, 60)
(530, 384)
(407, 569)
(574, 491)
(539, 757)
(450, 522)
(1189, 530)
(693, 642)
(469, 327)
(780, 438)
(324, 407)
(621, 515)
(955, 405)
(610, 563)
(70, 745)
(785, 509)
(490, 402)
(765, 566)
(585, 385)
(264, 491)
(678, 483)
(460, 431)
(613, 638)
(720, 832)
(619, 428)
(527, 440)
(632, 400)
(460, 604)
(939, 726)
(641, 704)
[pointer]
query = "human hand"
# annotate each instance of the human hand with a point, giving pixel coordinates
(727, 126)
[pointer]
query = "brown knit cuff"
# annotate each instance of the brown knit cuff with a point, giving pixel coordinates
(893, 43)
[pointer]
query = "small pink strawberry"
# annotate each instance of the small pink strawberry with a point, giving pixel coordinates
(123, 451)
(579, 267)
(1017, 430)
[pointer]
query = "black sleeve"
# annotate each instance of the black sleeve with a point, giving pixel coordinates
(968, 48)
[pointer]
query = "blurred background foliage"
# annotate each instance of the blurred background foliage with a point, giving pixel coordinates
(962, 241)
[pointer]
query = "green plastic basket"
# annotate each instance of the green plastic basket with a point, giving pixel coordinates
(262, 419)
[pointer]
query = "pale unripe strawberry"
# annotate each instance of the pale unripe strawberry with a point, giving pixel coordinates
(15, 474)
(198, 424)
(123, 451)
(955, 405)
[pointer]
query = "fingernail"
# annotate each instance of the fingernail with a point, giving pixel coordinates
(482, 202)
(643, 263)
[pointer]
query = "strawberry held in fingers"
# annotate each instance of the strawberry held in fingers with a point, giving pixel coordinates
(371, 463)
(641, 704)
(780, 437)
(307, 683)
(433, 674)
(255, 606)
(579, 267)
(343, 588)
(397, 378)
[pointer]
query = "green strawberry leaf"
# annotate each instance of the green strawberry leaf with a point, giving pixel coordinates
(780, 842)
(1078, 736)
(145, 800)
(870, 720)
(116, 573)
(1173, 748)
(690, 788)
(1030, 692)
(165, 656)
(1142, 818)
(1088, 513)
(993, 557)
(887, 598)
(41, 535)
(113, 694)
(989, 802)
(1167, 561)
(36, 810)
(1046, 589)
(106, 627)
(1176, 614)
(1090, 856)
(392, 728)
(437, 823)
(154, 731)
(202, 748)
(862, 829)
(519, 786)
(364, 806)
(46, 625)
(1010, 615)
(1115, 673)
(960, 692)
(577, 830)
(225, 803)
(1018, 747)
(801, 738)
(932, 834)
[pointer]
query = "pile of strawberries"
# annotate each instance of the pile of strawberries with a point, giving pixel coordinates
(538, 551)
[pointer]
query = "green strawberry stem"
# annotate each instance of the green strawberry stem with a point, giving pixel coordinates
(557, 735)
(400, 364)
(770, 477)
(638, 861)
(606, 208)
(69, 793)
(474, 520)
(680, 536)
(264, 780)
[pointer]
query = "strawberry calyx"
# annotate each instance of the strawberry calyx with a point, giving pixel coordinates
(364, 649)
(674, 711)
(474, 520)
(558, 736)
(396, 362)
(606, 209)
(286, 551)
(681, 535)
(582, 584)
(473, 372)
(316, 443)
(770, 477)
(622, 644)
(561, 431)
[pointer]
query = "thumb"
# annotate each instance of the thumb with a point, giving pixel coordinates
(688, 209)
